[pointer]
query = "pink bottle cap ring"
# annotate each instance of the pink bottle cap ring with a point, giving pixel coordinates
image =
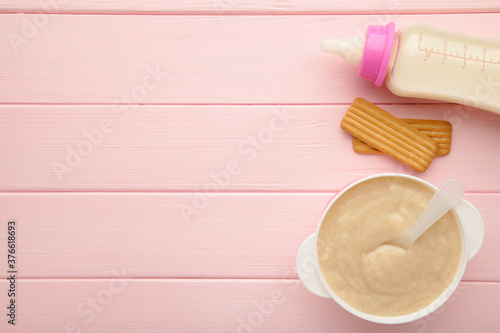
(377, 53)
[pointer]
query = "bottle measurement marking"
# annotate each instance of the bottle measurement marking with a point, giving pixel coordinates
(431, 51)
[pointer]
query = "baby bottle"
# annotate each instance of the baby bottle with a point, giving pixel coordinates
(423, 61)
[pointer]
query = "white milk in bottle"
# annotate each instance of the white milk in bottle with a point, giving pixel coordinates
(423, 61)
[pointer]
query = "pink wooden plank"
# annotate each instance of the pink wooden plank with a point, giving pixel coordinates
(221, 7)
(242, 306)
(70, 235)
(172, 148)
(195, 59)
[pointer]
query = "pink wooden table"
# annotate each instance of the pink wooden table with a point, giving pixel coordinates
(164, 160)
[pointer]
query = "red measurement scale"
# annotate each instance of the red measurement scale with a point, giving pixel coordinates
(466, 55)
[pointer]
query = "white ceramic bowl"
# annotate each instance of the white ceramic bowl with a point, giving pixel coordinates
(472, 231)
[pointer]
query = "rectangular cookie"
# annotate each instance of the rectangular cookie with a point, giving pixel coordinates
(389, 134)
(437, 130)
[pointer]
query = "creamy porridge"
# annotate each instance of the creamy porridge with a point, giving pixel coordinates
(386, 280)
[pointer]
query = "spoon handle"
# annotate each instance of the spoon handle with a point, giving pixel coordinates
(448, 195)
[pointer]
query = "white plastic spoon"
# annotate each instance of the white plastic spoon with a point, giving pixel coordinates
(446, 197)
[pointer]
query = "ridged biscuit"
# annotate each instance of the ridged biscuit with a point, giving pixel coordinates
(437, 130)
(389, 134)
